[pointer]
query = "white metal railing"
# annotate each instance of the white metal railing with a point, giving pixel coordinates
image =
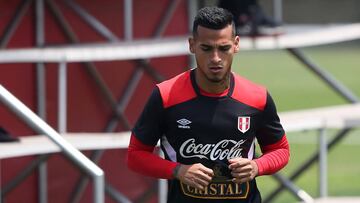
(321, 119)
(297, 36)
(37, 124)
(158, 48)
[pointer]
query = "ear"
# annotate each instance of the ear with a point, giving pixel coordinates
(237, 44)
(191, 45)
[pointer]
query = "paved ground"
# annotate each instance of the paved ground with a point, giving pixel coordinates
(338, 200)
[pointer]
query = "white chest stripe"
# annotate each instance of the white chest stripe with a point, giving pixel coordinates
(251, 150)
(169, 150)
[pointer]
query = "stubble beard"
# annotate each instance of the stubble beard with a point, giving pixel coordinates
(223, 81)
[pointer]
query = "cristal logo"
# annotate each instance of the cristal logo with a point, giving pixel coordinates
(225, 149)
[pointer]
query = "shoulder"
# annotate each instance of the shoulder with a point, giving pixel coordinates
(176, 90)
(249, 93)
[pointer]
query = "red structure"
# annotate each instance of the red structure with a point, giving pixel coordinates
(88, 110)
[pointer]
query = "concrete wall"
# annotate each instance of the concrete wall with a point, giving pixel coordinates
(311, 11)
(317, 11)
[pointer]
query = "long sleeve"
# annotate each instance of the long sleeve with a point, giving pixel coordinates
(141, 159)
(274, 157)
(272, 141)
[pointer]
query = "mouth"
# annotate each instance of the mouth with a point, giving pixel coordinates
(215, 69)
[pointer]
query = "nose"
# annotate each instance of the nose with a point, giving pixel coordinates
(215, 57)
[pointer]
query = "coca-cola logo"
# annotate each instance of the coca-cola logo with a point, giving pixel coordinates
(224, 149)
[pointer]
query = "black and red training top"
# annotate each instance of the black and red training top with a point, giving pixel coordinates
(197, 127)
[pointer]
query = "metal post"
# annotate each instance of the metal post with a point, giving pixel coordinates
(89, 18)
(4, 39)
(41, 127)
(40, 27)
(299, 193)
(41, 93)
(304, 166)
(335, 85)
(62, 94)
(125, 98)
(89, 67)
(97, 25)
(110, 127)
(145, 196)
(325, 76)
(322, 163)
(166, 18)
(11, 27)
(129, 91)
(277, 6)
(25, 172)
(92, 71)
(99, 188)
(162, 185)
(128, 20)
(144, 64)
(192, 8)
(0, 183)
(163, 189)
(82, 183)
(104, 31)
(116, 195)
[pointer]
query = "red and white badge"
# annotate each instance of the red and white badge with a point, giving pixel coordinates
(243, 123)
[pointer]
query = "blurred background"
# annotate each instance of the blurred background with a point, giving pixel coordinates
(108, 96)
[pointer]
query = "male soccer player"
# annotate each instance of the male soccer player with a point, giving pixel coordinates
(207, 120)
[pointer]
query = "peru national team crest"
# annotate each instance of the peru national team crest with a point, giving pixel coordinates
(243, 123)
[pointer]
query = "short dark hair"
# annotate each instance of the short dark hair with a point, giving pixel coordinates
(214, 18)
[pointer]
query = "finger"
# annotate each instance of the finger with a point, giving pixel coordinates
(233, 160)
(236, 160)
(240, 180)
(240, 169)
(207, 171)
(202, 182)
(239, 163)
(199, 186)
(204, 176)
(240, 175)
(194, 183)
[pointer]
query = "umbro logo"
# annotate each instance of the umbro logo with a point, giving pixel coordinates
(184, 123)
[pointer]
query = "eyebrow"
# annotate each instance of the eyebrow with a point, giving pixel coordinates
(220, 46)
(206, 45)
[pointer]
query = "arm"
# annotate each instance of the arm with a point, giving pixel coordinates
(274, 146)
(272, 140)
(146, 134)
(140, 158)
(274, 157)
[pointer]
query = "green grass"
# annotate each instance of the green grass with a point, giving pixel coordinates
(293, 86)
(343, 167)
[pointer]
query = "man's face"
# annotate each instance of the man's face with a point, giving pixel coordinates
(214, 50)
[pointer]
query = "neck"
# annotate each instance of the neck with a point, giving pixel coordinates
(214, 87)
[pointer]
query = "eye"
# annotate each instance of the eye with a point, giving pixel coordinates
(225, 48)
(206, 48)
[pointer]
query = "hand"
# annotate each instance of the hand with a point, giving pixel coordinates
(243, 170)
(196, 175)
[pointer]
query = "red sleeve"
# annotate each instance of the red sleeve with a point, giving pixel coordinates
(140, 158)
(274, 158)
